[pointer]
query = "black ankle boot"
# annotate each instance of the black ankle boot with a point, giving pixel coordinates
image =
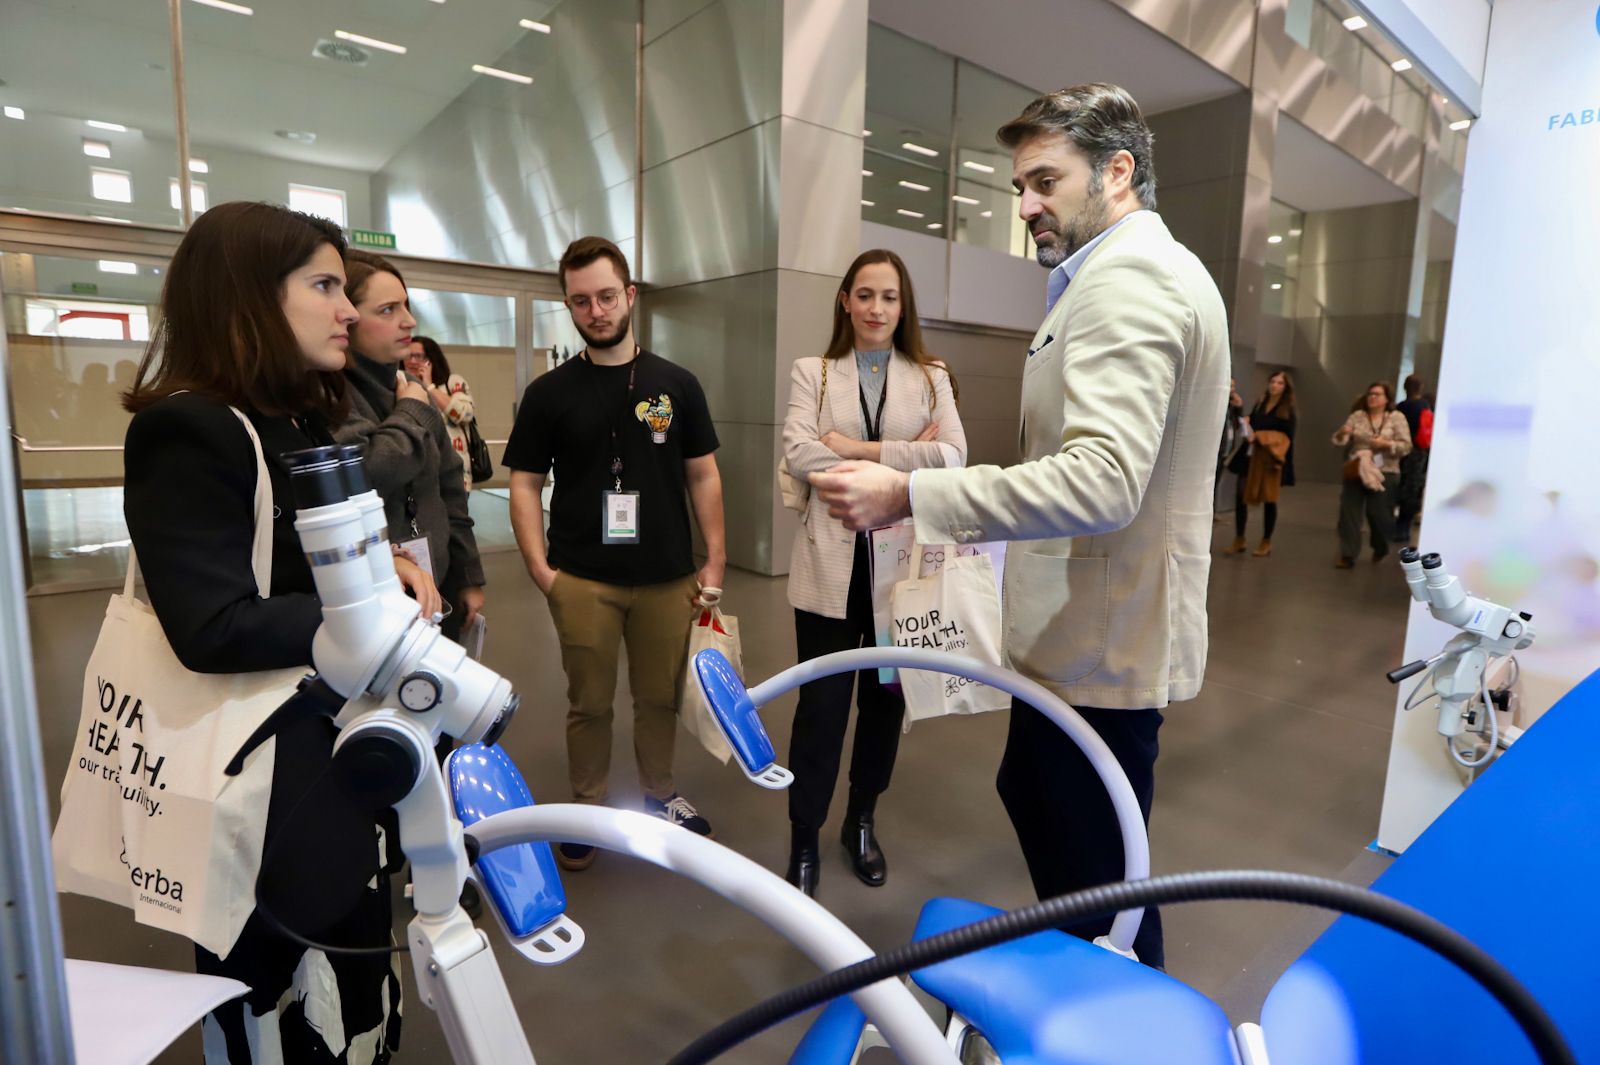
(805, 863)
(866, 858)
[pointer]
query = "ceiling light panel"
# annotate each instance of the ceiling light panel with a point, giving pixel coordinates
(370, 42)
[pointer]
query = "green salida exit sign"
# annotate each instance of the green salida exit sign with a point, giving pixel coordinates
(85, 288)
(371, 238)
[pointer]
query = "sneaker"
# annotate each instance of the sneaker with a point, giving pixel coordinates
(678, 811)
(574, 856)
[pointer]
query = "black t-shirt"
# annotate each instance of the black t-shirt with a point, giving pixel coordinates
(1412, 409)
(566, 420)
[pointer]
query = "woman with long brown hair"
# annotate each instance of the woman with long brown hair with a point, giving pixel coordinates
(1264, 462)
(254, 318)
(410, 459)
(1375, 438)
(874, 394)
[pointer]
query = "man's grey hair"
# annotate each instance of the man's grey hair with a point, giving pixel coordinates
(1101, 120)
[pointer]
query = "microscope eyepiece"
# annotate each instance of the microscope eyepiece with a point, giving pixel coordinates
(316, 476)
(498, 729)
(1432, 560)
(352, 462)
(1409, 555)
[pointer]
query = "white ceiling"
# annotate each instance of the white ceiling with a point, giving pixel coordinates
(249, 76)
(1310, 174)
(1049, 44)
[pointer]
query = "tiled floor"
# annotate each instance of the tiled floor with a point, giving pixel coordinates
(1278, 764)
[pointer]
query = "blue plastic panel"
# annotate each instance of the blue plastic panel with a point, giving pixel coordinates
(1054, 999)
(833, 1036)
(1512, 864)
(522, 881)
(734, 712)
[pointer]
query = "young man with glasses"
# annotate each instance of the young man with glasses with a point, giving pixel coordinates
(630, 440)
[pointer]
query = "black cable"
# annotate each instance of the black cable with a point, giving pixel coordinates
(1126, 895)
(284, 930)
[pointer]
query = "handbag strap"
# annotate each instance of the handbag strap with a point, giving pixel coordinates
(823, 395)
(261, 538)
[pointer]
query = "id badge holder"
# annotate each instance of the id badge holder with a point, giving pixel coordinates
(619, 517)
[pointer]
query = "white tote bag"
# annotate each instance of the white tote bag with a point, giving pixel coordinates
(148, 818)
(892, 549)
(956, 610)
(712, 629)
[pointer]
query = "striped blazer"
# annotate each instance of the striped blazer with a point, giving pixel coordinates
(824, 552)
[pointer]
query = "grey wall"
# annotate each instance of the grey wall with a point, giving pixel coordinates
(988, 370)
(752, 177)
(1350, 320)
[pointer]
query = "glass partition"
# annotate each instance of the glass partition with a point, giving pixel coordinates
(905, 164)
(986, 204)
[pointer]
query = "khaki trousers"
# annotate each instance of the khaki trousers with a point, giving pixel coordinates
(592, 619)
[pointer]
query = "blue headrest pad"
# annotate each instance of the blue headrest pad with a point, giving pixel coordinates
(521, 880)
(1053, 999)
(832, 1037)
(735, 713)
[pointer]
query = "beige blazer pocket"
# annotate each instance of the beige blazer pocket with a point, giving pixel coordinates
(1057, 614)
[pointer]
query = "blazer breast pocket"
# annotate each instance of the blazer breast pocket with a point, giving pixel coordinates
(1057, 615)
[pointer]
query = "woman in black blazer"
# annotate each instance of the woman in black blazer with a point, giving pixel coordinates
(254, 317)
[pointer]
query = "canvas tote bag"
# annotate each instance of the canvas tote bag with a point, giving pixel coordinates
(148, 819)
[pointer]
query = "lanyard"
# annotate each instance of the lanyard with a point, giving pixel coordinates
(874, 429)
(611, 416)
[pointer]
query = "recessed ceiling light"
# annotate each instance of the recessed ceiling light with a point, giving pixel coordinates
(1461, 125)
(1355, 22)
(935, 225)
(224, 5)
(866, 133)
(868, 203)
(117, 266)
(112, 126)
(919, 149)
(370, 42)
(982, 168)
(986, 214)
(111, 218)
(199, 166)
(1275, 239)
(968, 200)
(17, 113)
(503, 75)
(299, 136)
(1276, 285)
(1401, 65)
(865, 172)
(913, 185)
(97, 149)
(529, 24)
(909, 214)
(1294, 232)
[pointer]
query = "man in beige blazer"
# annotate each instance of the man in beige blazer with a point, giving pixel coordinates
(1109, 513)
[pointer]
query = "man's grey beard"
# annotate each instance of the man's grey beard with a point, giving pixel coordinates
(1079, 230)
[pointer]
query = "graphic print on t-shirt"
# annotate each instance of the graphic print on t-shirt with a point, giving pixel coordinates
(657, 414)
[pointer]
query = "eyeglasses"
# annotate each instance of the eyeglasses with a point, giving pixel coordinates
(607, 300)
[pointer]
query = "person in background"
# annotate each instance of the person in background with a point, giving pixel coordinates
(449, 392)
(886, 400)
(1418, 410)
(1232, 438)
(1375, 438)
(254, 317)
(632, 446)
(1265, 463)
(410, 460)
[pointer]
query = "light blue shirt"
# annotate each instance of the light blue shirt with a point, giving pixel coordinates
(1064, 272)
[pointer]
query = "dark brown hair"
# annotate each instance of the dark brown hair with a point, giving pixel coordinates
(907, 332)
(359, 266)
(1285, 407)
(438, 365)
(1101, 120)
(585, 250)
(1388, 393)
(1413, 386)
(223, 332)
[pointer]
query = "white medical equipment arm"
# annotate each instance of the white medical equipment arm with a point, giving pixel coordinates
(1458, 671)
(723, 691)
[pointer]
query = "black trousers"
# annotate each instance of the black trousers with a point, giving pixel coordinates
(1062, 813)
(820, 719)
(1241, 513)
